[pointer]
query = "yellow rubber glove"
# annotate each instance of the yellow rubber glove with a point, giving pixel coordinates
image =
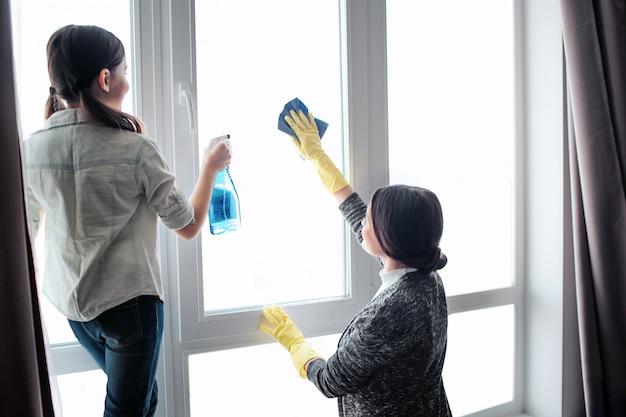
(309, 145)
(287, 333)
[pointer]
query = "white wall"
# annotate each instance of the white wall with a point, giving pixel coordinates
(544, 132)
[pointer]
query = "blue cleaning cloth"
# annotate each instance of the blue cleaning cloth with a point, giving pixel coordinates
(296, 105)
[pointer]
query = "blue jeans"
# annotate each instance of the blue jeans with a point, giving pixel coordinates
(125, 342)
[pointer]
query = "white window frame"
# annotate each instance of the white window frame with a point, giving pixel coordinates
(238, 328)
(192, 331)
(537, 294)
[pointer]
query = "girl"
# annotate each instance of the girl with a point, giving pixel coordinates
(103, 185)
(390, 358)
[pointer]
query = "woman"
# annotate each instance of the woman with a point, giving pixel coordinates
(103, 186)
(390, 358)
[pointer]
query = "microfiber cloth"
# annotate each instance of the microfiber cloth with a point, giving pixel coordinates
(296, 105)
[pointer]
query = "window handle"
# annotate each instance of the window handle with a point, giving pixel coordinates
(185, 98)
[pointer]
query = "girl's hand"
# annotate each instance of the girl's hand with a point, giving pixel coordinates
(214, 159)
(218, 157)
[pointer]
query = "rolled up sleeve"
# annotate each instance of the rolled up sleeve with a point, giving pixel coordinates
(162, 193)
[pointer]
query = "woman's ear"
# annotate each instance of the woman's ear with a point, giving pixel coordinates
(104, 79)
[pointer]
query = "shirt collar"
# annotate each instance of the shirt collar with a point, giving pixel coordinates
(389, 278)
(65, 117)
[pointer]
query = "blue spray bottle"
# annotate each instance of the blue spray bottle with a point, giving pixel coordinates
(224, 214)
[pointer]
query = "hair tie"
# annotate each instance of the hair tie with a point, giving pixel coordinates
(52, 91)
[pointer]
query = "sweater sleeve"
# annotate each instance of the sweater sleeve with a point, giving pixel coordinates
(354, 210)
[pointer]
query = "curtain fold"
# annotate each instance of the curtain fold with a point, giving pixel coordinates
(594, 39)
(24, 384)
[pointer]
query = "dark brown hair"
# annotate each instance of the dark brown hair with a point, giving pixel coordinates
(76, 55)
(408, 223)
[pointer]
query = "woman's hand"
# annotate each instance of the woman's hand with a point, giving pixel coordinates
(284, 330)
(308, 140)
(310, 147)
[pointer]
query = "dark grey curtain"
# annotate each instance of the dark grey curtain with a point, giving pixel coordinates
(594, 38)
(24, 383)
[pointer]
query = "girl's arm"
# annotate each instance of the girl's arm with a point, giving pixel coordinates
(214, 160)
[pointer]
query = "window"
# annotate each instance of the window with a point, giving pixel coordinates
(451, 109)
(452, 127)
(292, 247)
(246, 70)
(242, 73)
(479, 372)
(228, 54)
(214, 376)
(203, 72)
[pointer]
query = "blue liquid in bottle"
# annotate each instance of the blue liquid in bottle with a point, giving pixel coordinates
(224, 215)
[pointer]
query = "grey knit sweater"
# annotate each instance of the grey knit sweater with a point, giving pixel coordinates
(389, 359)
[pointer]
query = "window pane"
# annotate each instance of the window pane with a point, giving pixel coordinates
(33, 22)
(479, 368)
(265, 374)
(82, 393)
(290, 244)
(451, 127)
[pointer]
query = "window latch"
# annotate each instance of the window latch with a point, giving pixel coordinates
(185, 98)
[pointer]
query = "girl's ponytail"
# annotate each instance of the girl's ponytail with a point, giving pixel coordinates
(53, 104)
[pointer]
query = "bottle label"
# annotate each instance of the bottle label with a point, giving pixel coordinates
(224, 210)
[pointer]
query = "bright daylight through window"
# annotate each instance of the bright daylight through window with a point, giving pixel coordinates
(451, 109)
(451, 128)
(290, 245)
